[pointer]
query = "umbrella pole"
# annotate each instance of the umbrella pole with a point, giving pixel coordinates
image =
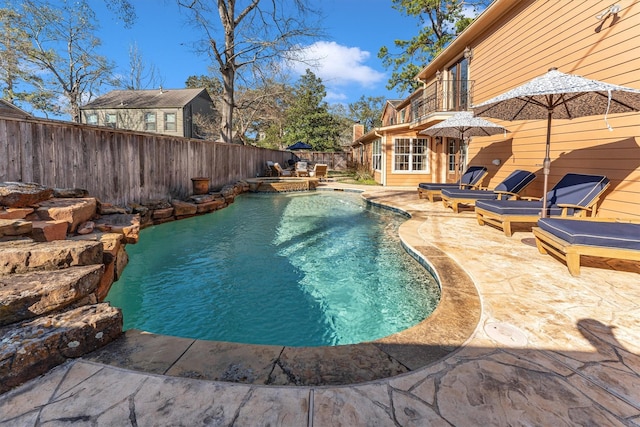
(546, 165)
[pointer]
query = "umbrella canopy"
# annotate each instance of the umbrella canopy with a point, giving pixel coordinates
(463, 125)
(560, 96)
(299, 146)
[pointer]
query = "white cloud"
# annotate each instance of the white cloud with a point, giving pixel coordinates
(337, 65)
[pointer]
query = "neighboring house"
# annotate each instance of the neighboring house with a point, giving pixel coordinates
(7, 109)
(512, 42)
(173, 112)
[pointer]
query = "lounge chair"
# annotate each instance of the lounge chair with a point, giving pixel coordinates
(280, 171)
(270, 170)
(569, 238)
(470, 179)
(301, 169)
(507, 189)
(320, 171)
(574, 195)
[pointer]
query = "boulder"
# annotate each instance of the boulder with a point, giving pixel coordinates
(128, 225)
(23, 194)
(15, 213)
(183, 209)
(70, 193)
(86, 227)
(34, 346)
(25, 256)
(48, 231)
(33, 294)
(210, 206)
(15, 227)
(73, 211)
(157, 204)
(162, 214)
(109, 209)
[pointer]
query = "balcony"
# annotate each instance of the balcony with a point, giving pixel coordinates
(442, 96)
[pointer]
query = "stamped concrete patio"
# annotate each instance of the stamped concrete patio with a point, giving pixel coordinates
(548, 349)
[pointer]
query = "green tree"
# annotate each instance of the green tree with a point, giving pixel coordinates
(256, 33)
(367, 111)
(308, 117)
(63, 49)
(19, 82)
(439, 22)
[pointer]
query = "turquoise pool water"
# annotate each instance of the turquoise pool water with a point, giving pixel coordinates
(296, 269)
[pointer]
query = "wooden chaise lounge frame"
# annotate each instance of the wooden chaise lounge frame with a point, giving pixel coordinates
(474, 184)
(570, 253)
(455, 202)
(504, 221)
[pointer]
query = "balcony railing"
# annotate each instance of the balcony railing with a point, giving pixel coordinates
(446, 95)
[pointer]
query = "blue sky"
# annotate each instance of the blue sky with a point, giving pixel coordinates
(349, 68)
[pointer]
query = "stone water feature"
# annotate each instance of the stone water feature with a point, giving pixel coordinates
(60, 252)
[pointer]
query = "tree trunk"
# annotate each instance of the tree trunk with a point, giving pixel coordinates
(228, 101)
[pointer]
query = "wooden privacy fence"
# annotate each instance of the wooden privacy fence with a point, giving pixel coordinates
(118, 166)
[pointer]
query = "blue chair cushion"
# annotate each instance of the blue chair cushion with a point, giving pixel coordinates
(433, 186)
(471, 176)
(594, 233)
(517, 207)
(516, 181)
(457, 193)
(577, 189)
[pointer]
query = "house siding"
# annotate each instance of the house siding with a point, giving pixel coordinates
(534, 37)
(516, 41)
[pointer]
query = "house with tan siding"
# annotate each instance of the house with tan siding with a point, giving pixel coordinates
(510, 43)
(174, 112)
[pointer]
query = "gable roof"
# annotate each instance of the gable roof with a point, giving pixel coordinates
(156, 98)
(7, 109)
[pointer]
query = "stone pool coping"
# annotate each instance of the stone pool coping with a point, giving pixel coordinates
(446, 330)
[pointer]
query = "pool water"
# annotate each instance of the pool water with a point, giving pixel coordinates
(296, 269)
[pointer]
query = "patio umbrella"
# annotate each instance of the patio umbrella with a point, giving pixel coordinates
(464, 125)
(557, 95)
(299, 146)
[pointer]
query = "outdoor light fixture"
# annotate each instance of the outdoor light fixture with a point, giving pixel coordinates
(496, 162)
(468, 53)
(611, 10)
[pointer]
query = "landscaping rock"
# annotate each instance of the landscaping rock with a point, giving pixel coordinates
(126, 224)
(183, 209)
(15, 213)
(70, 193)
(109, 209)
(34, 346)
(15, 227)
(23, 194)
(25, 256)
(28, 295)
(48, 231)
(210, 206)
(86, 227)
(73, 211)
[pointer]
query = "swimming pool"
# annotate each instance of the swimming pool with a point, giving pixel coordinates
(304, 269)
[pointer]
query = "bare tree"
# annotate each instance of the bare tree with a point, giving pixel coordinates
(259, 32)
(140, 74)
(64, 48)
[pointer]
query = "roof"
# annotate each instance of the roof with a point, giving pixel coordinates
(156, 98)
(7, 109)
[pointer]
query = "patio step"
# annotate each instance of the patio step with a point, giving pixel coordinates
(27, 295)
(34, 346)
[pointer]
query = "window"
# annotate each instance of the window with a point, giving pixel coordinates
(111, 120)
(92, 119)
(459, 85)
(451, 155)
(403, 117)
(150, 121)
(410, 154)
(376, 158)
(169, 121)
